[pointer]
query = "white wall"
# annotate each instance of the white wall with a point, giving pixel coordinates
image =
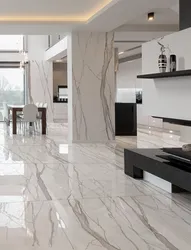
(127, 83)
(127, 74)
(169, 97)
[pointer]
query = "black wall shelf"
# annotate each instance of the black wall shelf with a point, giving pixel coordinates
(175, 121)
(179, 73)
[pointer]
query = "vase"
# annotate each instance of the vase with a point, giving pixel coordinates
(172, 63)
(162, 63)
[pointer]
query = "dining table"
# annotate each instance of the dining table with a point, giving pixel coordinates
(19, 108)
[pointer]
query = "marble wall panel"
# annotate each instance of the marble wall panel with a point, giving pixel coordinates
(91, 82)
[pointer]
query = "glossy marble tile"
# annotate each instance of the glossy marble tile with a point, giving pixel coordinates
(85, 181)
(142, 222)
(54, 152)
(55, 195)
(18, 182)
(150, 138)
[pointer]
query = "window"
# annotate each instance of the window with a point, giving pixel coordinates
(11, 87)
(12, 84)
(11, 42)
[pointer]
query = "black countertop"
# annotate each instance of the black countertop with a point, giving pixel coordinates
(60, 101)
(175, 121)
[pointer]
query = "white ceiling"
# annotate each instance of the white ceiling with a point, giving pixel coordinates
(126, 46)
(127, 17)
(128, 49)
(67, 8)
(125, 41)
(56, 16)
(139, 30)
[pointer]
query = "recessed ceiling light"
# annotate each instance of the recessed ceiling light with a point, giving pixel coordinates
(59, 60)
(151, 16)
(120, 53)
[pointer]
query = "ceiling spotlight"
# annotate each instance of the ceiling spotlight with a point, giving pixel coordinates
(151, 16)
(120, 53)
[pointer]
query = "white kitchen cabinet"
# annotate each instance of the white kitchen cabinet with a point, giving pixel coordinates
(61, 111)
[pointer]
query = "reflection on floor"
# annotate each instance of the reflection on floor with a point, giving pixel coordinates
(76, 197)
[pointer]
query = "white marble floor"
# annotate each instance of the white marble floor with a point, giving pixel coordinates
(76, 197)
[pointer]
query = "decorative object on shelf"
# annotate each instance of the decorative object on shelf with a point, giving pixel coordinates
(172, 63)
(186, 147)
(162, 60)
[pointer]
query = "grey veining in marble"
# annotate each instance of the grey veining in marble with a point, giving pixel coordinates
(40, 87)
(40, 73)
(108, 56)
(91, 84)
(55, 195)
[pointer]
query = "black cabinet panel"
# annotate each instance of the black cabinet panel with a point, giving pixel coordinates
(185, 17)
(151, 161)
(125, 119)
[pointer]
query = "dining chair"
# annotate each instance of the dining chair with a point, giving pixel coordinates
(7, 116)
(30, 112)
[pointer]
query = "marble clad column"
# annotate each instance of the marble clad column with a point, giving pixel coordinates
(40, 73)
(91, 87)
